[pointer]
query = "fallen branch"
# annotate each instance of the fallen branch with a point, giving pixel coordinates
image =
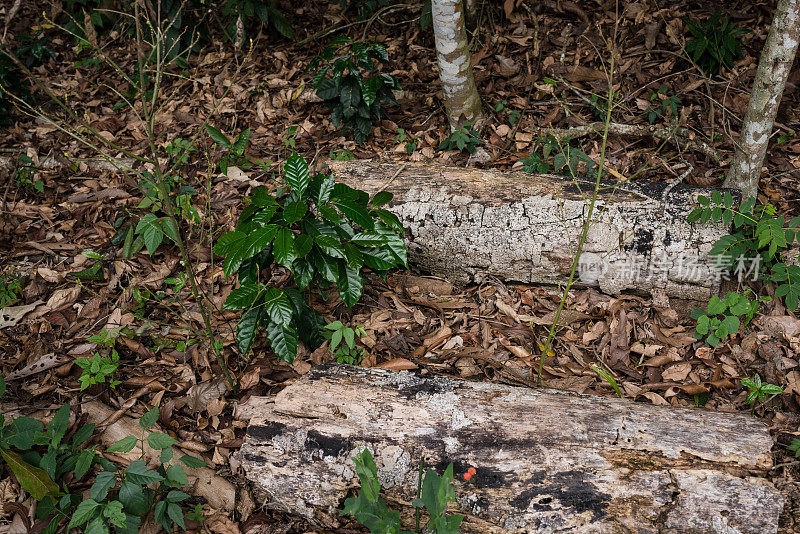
(677, 136)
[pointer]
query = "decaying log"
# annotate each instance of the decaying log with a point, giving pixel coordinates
(546, 461)
(465, 224)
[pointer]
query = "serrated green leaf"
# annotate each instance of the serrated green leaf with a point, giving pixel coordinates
(191, 462)
(134, 498)
(138, 473)
(84, 462)
(159, 440)
(731, 324)
(149, 418)
(150, 230)
(124, 445)
(83, 513)
(103, 482)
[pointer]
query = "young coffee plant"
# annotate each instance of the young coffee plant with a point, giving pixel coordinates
(248, 10)
(346, 352)
(757, 390)
(714, 44)
(348, 84)
(323, 233)
(662, 104)
(722, 317)
(759, 238)
(25, 174)
(462, 138)
(512, 114)
(433, 493)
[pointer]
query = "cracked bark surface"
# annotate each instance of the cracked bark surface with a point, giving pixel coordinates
(546, 461)
(465, 224)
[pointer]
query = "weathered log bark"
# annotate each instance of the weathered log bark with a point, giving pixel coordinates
(546, 461)
(466, 224)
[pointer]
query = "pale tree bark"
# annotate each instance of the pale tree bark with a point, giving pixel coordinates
(773, 70)
(455, 70)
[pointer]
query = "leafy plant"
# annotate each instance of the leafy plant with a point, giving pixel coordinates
(715, 43)
(462, 138)
(721, 317)
(34, 48)
(323, 233)
(759, 236)
(10, 288)
(101, 368)
(180, 149)
(371, 511)
(662, 103)
(248, 10)
(794, 447)
(346, 352)
(234, 155)
(25, 174)
(348, 84)
(341, 154)
(365, 8)
(47, 465)
(758, 390)
(411, 141)
(512, 114)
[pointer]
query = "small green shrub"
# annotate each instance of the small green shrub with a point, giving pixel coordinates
(662, 104)
(512, 114)
(101, 368)
(758, 390)
(323, 233)
(348, 84)
(715, 43)
(341, 154)
(721, 318)
(559, 157)
(411, 141)
(433, 494)
(759, 237)
(364, 8)
(10, 288)
(25, 174)
(462, 138)
(53, 471)
(346, 352)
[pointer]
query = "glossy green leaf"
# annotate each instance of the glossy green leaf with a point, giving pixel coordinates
(138, 473)
(381, 198)
(126, 444)
(356, 213)
(331, 246)
(247, 327)
(283, 340)
(350, 284)
(244, 297)
(303, 244)
(294, 211)
(218, 137)
(277, 306)
(283, 248)
(296, 172)
(150, 230)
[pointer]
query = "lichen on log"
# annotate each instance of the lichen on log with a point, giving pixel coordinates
(469, 224)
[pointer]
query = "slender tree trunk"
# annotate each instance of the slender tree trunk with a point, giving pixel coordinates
(773, 69)
(455, 70)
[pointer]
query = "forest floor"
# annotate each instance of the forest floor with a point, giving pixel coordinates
(648, 348)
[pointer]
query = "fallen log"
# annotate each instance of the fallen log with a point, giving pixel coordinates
(465, 224)
(546, 461)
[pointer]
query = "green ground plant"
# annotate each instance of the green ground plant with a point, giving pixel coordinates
(715, 43)
(663, 103)
(347, 82)
(101, 368)
(347, 352)
(411, 141)
(250, 11)
(10, 288)
(324, 233)
(433, 494)
(53, 470)
(721, 318)
(757, 390)
(511, 113)
(462, 138)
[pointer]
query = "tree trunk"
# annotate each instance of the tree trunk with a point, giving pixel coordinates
(461, 97)
(471, 12)
(546, 461)
(773, 70)
(468, 224)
